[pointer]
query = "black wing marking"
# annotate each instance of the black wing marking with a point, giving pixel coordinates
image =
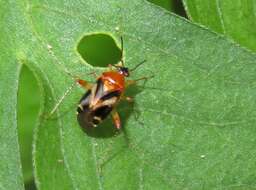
(84, 102)
(99, 89)
(102, 112)
(85, 97)
(91, 116)
(112, 94)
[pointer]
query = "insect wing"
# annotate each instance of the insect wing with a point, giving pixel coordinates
(96, 105)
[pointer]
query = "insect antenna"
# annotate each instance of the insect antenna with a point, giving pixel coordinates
(122, 51)
(134, 68)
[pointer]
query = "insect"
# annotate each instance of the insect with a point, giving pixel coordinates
(101, 98)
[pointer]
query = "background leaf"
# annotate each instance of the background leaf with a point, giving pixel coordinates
(233, 18)
(167, 4)
(174, 6)
(28, 108)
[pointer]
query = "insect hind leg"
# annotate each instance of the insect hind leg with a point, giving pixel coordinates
(81, 82)
(61, 99)
(116, 119)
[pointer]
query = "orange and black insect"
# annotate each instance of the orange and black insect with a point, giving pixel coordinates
(101, 98)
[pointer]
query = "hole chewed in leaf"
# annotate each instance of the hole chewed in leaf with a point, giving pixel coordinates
(174, 6)
(99, 50)
(167, 4)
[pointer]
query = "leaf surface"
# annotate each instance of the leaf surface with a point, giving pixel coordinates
(168, 5)
(20, 45)
(10, 166)
(234, 18)
(192, 125)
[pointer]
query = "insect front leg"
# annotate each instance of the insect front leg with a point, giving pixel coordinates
(84, 84)
(132, 82)
(116, 119)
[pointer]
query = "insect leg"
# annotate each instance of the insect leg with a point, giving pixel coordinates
(84, 84)
(62, 98)
(132, 82)
(116, 119)
(81, 82)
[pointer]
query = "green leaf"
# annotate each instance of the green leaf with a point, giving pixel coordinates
(10, 167)
(28, 107)
(191, 127)
(171, 5)
(167, 4)
(233, 18)
(20, 46)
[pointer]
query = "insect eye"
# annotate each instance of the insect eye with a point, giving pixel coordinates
(126, 72)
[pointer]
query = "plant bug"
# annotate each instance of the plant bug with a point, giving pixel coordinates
(101, 98)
